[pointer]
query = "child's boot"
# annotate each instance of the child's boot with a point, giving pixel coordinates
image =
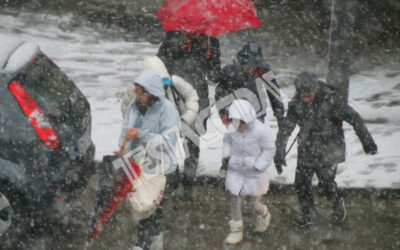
(262, 221)
(236, 234)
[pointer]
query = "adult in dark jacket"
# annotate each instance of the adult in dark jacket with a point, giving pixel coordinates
(195, 58)
(245, 74)
(203, 53)
(319, 112)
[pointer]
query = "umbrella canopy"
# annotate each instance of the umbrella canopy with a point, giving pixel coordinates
(208, 17)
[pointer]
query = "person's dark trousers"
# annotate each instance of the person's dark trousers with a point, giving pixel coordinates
(151, 226)
(303, 184)
(189, 172)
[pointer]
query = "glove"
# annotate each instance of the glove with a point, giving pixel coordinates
(279, 160)
(371, 148)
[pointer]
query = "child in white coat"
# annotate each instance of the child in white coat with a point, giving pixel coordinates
(251, 149)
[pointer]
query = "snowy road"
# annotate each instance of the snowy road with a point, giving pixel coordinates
(103, 65)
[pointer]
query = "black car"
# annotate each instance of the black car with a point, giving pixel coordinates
(46, 151)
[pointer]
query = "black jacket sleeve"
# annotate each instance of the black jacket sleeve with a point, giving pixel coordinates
(285, 130)
(346, 113)
(277, 104)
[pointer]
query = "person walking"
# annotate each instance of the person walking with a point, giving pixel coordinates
(246, 72)
(184, 96)
(149, 117)
(319, 112)
(250, 148)
(195, 58)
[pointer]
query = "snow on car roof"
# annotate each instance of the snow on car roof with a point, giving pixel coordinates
(15, 54)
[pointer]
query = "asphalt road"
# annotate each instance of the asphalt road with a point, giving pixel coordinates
(372, 222)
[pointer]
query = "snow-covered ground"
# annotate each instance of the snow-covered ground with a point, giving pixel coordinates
(103, 65)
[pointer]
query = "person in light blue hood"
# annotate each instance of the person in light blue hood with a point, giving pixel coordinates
(152, 117)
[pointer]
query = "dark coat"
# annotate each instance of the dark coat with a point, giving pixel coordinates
(233, 78)
(192, 63)
(321, 138)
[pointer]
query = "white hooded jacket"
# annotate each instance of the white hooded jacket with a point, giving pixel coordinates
(250, 152)
(159, 124)
(188, 100)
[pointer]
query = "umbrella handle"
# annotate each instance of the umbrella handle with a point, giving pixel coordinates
(127, 137)
(295, 139)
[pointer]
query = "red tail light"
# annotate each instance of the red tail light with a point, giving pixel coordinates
(35, 115)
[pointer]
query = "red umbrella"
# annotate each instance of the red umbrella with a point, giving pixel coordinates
(208, 17)
(113, 187)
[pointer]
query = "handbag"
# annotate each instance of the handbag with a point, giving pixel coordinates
(147, 192)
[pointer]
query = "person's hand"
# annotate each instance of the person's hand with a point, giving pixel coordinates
(371, 149)
(279, 160)
(131, 134)
(116, 152)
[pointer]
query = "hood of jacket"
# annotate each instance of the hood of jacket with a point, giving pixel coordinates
(242, 110)
(306, 83)
(151, 82)
(156, 65)
(251, 54)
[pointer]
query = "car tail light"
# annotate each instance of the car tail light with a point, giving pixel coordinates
(35, 115)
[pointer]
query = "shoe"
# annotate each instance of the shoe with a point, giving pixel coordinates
(339, 211)
(236, 234)
(136, 248)
(303, 221)
(262, 222)
(157, 243)
(306, 219)
(187, 196)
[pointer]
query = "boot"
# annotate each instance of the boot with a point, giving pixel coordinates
(236, 234)
(303, 221)
(157, 243)
(339, 211)
(137, 248)
(262, 221)
(306, 219)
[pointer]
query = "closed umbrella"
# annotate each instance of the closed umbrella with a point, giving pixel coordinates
(115, 181)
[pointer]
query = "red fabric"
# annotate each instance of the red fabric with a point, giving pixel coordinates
(121, 188)
(208, 17)
(258, 72)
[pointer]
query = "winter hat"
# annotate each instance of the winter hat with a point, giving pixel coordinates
(306, 83)
(151, 82)
(251, 54)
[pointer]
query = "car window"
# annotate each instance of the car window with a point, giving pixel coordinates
(46, 79)
(50, 87)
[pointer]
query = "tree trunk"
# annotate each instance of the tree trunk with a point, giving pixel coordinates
(340, 45)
